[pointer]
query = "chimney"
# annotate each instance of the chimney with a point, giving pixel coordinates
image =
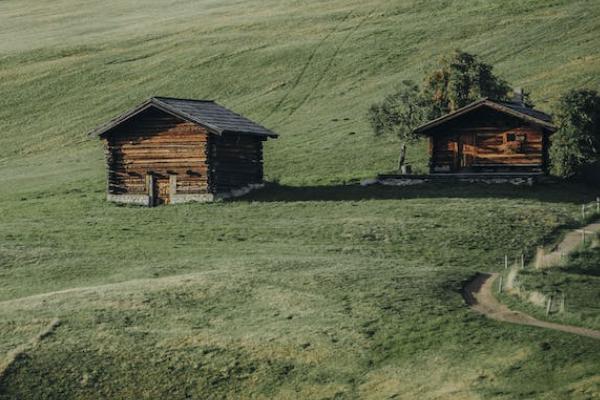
(519, 96)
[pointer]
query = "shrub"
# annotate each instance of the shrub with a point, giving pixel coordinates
(576, 144)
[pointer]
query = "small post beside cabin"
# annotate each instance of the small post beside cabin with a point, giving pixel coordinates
(169, 150)
(489, 137)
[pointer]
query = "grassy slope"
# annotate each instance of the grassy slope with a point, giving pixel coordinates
(308, 71)
(356, 296)
(578, 280)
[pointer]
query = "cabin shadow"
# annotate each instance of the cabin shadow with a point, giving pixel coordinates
(569, 193)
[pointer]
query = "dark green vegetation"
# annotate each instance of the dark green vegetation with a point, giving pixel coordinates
(576, 144)
(301, 291)
(578, 280)
(398, 114)
(459, 78)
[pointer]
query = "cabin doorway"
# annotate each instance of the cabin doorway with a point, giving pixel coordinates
(466, 151)
(162, 192)
(158, 190)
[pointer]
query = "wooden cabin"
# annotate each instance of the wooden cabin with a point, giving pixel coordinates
(169, 150)
(489, 136)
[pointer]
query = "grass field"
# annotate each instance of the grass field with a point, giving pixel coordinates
(306, 70)
(266, 297)
(310, 288)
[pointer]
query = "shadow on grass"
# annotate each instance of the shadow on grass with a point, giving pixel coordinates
(584, 262)
(568, 193)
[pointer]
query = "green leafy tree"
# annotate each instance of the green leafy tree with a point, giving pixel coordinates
(527, 99)
(576, 144)
(459, 79)
(399, 114)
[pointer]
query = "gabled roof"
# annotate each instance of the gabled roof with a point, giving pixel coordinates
(206, 113)
(515, 109)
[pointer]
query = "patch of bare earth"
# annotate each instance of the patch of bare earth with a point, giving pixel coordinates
(479, 295)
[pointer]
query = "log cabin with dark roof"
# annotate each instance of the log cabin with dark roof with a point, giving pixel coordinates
(489, 137)
(169, 150)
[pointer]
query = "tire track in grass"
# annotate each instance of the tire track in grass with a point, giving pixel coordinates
(227, 56)
(330, 62)
(305, 67)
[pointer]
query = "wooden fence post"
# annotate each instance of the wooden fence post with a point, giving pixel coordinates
(540, 257)
(522, 261)
(500, 285)
(549, 305)
(505, 261)
(172, 186)
(583, 211)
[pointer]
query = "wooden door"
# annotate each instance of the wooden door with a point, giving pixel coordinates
(162, 191)
(466, 150)
(158, 189)
(151, 188)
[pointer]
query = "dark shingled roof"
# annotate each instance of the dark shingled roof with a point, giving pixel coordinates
(515, 109)
(529, 111)
(212, 116)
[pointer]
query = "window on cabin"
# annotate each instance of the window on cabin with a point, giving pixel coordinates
(510, 137)
(513, 142)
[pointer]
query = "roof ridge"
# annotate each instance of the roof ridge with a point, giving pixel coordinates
(499, 105)
(214, 117)
(520, 105)
(184, 99)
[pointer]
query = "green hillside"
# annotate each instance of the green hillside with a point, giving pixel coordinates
(308, 71)
(309, 289)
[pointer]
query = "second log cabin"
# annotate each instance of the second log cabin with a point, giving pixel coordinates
(489, 136)
(169, 150)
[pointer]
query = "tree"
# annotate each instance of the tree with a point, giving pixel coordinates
(399, 114)
(576, 144)
(459, 79)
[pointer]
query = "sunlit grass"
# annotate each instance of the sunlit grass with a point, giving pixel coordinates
(309, 289)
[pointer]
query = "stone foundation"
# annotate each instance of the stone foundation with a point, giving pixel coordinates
(181, 198)
(410, 180)
(139, 199)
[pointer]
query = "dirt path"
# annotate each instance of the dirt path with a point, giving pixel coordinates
(569, 243)
(479, 295)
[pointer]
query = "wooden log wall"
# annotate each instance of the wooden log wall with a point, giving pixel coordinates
(158, 143)
(236, 161)
(444, 151)
(492, 148)
(481, 149)
(478, 142)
